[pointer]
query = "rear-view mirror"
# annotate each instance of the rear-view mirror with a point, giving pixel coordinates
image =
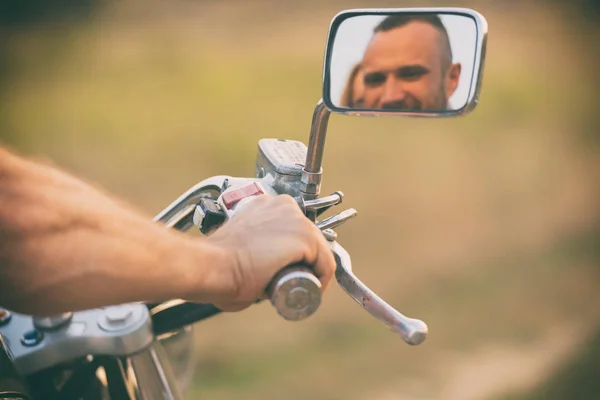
(404, 62)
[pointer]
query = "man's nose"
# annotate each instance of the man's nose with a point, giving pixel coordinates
(393, 92)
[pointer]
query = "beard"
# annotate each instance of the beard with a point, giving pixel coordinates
(409, 102)
(437, 102)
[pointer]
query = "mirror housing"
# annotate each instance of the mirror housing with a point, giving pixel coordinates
(425, 62)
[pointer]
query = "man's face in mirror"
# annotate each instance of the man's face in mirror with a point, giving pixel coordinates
(358, 89)
(409, 67)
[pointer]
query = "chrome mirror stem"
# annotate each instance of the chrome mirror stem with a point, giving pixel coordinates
(311, 174)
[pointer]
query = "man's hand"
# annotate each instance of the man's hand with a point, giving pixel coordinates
(67, 246)
(270, 233)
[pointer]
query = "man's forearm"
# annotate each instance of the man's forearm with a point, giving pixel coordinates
(61, 239)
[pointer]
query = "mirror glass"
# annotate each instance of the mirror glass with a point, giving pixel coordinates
(402, 62)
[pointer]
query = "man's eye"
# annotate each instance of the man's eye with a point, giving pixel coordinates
(411, 73)
(374, 79)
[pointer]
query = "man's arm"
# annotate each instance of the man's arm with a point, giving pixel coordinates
(66, 246)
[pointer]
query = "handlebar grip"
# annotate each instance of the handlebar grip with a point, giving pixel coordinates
(295, 292)
(176, 317)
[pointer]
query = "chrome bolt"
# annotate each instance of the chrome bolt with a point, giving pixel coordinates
(5, 317)
(118, 314)
(32, 338)
(119, 318)
(52, 322)
(330, 235)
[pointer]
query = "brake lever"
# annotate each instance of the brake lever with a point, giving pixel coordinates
(412, 331)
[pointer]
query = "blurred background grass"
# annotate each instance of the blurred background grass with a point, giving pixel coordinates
(487, 226)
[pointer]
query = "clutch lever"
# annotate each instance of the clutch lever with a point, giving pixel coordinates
(412, 331)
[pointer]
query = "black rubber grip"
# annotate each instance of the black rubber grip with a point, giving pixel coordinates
(176, 317)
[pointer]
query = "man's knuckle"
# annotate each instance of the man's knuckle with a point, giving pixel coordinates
(260, 199)
(287, 200)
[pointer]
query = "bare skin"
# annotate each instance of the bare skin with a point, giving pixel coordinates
(358, 90)
(66, 245)
(404, 69)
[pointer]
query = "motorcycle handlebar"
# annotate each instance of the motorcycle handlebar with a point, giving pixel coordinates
(176, 317)
(295, 292)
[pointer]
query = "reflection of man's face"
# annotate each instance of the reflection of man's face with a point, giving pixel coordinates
(404, 69)
(358, 90)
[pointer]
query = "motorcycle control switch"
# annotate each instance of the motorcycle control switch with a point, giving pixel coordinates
(230, 199)
(208, 215)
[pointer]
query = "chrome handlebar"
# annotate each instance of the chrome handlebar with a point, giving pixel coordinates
(295, 292)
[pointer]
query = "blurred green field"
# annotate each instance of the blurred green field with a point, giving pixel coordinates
(487, 227)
